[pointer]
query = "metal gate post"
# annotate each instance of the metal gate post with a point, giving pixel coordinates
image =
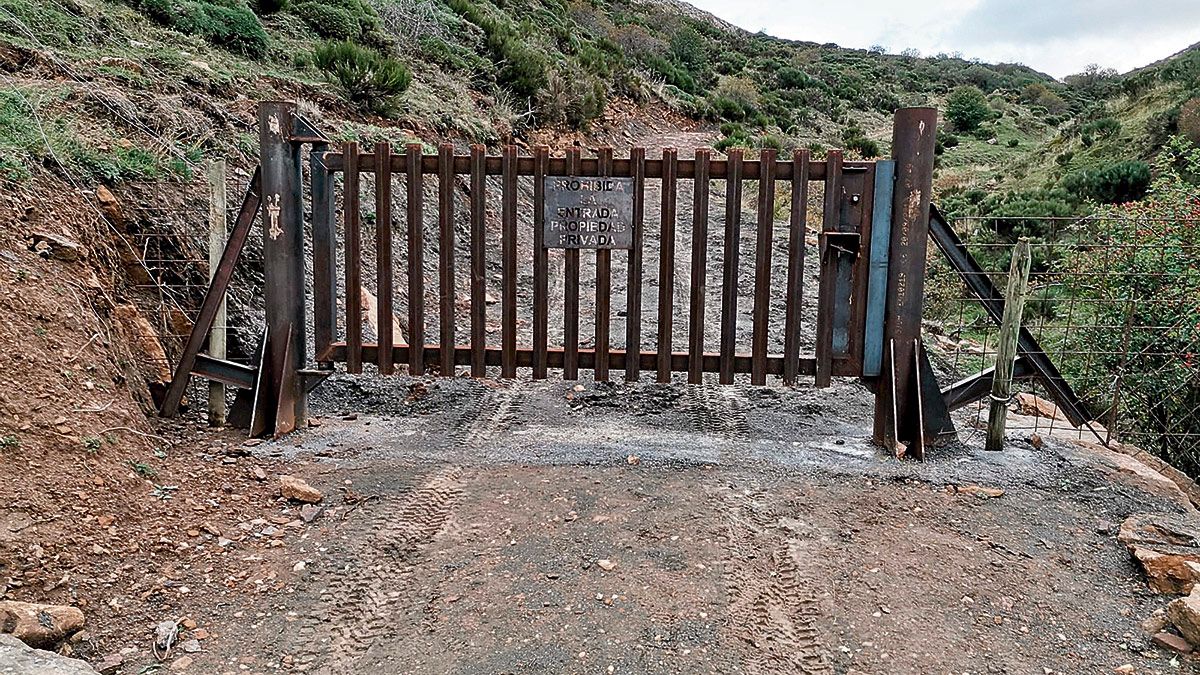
(898, 414)
(282, 399)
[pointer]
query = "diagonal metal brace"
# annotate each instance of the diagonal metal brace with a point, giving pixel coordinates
(212, 299)
(992, 300)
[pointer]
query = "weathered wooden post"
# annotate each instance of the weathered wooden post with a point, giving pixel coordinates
(898, 422)
(282, 397)
(216, 248)
(1006, 347)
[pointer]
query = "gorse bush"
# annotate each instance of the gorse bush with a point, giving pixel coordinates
(328, 21)
(370, 79)
(226, 23)
(1115, 183)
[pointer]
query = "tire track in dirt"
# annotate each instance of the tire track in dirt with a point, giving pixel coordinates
(774, 609)
(496, 413)
(717, 410)
(362, 600)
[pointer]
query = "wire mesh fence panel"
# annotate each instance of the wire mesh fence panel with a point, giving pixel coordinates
(1114, 301)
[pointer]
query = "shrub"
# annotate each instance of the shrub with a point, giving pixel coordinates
(268, 7)
(327, 20)
(1189, 120)
(231, 25)
(369, 78)
(967, 108)
(1116, 183)
(1012, 142)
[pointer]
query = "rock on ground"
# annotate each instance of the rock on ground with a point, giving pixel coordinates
(18, 657)
(1185, 615)
(39, 625)
(295, 488)
(1168, 548)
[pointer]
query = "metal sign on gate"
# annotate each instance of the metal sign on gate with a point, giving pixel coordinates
(582, 212)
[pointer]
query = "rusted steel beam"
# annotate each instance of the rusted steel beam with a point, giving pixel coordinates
(227, 372)
(212, 298)
(352, 225)
(970, 389)
(324, 249)
(508, 247)
(762, 266)
(830, 259)
(478, 262)
(794, 302)
(541, 265)
(730, 261)
(696, 326)
(283, 264)
(383, 254)
(446, 289)
(666, 265)
(559, 166)
(633, 293)
(603, 287)
(896, 422)
(416, 260)
(678, 361)
(571, 291)
(447, 292)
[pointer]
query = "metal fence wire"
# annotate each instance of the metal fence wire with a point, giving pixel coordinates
(1114, 302)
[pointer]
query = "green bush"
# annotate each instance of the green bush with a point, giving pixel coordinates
(967, 108)
(1116, 183)
(268, 7)
(327, 20)
(370, 79)
(228, 24)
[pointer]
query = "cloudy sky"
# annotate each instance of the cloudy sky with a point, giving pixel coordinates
(1059, 37)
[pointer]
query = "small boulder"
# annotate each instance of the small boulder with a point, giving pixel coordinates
(41, 626)
(51, 245)
(295, 488)
(18, 657)
(1185, 616)
(1167, 546)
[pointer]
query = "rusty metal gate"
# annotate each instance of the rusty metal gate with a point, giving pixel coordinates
(871, 247)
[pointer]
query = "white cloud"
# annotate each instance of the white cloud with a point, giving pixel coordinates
(1059, 37)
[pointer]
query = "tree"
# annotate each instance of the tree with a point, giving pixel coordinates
(967, 108)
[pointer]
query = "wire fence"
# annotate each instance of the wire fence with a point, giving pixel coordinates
(1113, 301)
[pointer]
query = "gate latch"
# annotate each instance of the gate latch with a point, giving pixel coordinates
(842, 243)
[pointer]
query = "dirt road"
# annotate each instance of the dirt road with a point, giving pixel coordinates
(484, 528)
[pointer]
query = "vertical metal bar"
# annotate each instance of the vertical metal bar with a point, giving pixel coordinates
(446, 291)
(794, 302)
(541, 264)
(571, 292)
(324, 253)
(699, 267)
(383, 256)
(603, 285)
(831, 218)
(478, 262)
(912, 148)
(762, 262)
(352, 225)
(283, 264)
(881, 230)
(666, 263)
(633, 293)
(729, 281)
(508, 246)
(416, 262)
(217, 206)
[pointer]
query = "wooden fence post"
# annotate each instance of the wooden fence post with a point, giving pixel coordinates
(284, 402)
(217, 205)
(1006, 349)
